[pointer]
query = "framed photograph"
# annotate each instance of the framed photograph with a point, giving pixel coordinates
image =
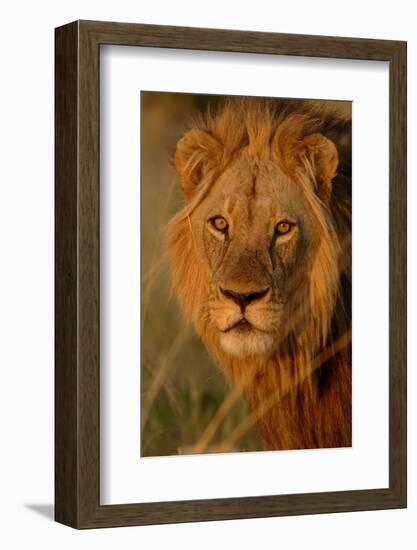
(230, 274)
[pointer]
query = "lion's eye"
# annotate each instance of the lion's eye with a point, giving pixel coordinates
(283, 227)
(219, 223)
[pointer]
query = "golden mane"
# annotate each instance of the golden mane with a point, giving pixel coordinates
(301, 395)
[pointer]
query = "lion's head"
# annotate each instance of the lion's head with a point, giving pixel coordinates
(255, 253)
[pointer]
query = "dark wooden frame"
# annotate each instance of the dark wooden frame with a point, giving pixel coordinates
(77, 373)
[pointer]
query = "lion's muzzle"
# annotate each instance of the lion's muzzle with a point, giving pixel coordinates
(244, 299)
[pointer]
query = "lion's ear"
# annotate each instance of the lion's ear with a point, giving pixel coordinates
(322, 156)
(314, 153)
(197, 154)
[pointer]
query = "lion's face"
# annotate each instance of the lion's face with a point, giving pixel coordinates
(254, 255)
(256, 239)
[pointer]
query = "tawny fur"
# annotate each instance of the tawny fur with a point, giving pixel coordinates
(300, 390)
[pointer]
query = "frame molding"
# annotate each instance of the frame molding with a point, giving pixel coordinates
(77, 360)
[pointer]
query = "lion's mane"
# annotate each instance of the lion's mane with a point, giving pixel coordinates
(301, 395)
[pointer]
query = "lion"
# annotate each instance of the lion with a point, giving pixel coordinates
(260, 260)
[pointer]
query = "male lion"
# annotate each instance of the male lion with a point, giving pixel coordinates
(261, 261)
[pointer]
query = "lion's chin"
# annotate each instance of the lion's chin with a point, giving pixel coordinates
(243, 344)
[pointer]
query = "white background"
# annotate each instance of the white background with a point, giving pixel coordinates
(125, 477)
(26, 285)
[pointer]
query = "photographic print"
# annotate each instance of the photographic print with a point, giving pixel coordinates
(205, 319)
(246, 274)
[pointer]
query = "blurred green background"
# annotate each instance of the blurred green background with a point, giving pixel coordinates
(182, 390)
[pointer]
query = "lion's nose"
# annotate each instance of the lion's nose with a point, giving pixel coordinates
(243, 300)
